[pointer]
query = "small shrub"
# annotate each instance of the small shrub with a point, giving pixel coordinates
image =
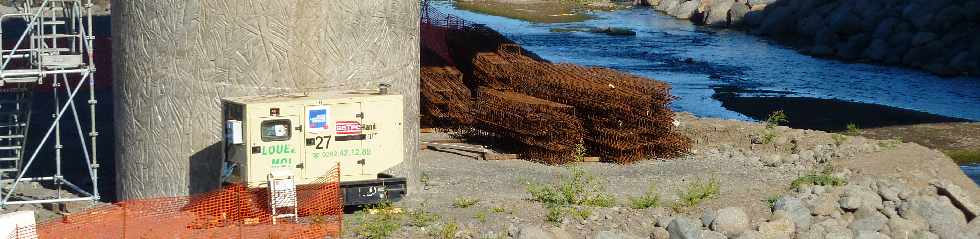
(771, 201)
(449, 231)
(421, 218)
(853, 129)
(498, 210)
(424, 179)
(580, 152)
(775, 119)
(839, 139)
(649, 199)
(379, 225)
(579, 189)
(699, 191)
(889, 144)
(582, 213)
(464, 202)
(818, 179)
(555, 215)
(481, 216)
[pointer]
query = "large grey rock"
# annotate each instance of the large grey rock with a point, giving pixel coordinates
(878, 50)
(943, 217)
(686, 9)
(810, 25)
(536, 232)
(730, 221)
(885, 28)
(614, 235)
(778, 21)
(857, 196)
(659, 233)
(706, 234)
(666, 5)
(845, 22)
(903, 228)
(778, 228)
(738, 12)
(868, 219)
(795, 210)
(870, 235)
(921, 38)
(717, 12)
(684, 228)
(707, 217)
(959, 198)
(750, 235)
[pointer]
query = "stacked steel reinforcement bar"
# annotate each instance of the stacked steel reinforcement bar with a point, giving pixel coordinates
(446, 102)
(544, 131)
(627, 118)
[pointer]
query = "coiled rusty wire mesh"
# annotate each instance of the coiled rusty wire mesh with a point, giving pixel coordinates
(446, 101)
(545, 131)
(627, 118)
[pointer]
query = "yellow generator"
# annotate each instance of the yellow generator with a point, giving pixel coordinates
(304, 136)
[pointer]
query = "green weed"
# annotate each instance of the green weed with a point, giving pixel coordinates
(839, 139)
(853, 129)
(818, 179)
(449, 230)
(775, 119)
(699, 191)
(964, 156)
(379, 225)
(581, 188)
(464, 202)
(582, 213)
(555, 215)
(481, 216)
(649, 199)
(421, 218)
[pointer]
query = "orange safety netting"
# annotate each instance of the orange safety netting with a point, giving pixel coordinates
(233, 212)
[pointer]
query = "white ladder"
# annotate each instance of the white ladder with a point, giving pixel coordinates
(282, 196)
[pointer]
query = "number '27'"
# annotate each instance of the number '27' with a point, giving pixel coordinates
(322, 142)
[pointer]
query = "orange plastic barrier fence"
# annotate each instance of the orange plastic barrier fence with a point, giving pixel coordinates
(232, 212)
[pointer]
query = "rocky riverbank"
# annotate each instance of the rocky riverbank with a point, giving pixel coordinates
(801, 184)
(939, 36)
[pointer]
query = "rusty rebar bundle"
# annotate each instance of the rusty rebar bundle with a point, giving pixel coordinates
(542, 130)
(445, 100)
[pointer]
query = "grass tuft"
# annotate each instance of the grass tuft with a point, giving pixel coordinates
(698, 192)
(649, 199)
(379, 225)
(464, 202)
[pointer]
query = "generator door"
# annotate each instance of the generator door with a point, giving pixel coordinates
(333, 134)
(277, 144)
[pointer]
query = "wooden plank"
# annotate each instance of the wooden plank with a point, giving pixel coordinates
(494, 156)
(591, 159)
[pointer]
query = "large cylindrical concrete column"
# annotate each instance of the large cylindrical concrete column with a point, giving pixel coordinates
(175, 59)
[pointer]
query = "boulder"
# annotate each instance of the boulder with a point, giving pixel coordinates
(738, 12)
(854, 47)
(810, 25)
(795, 210)
(878, 50)
(753, 19)
(686, 9)
(659, 233)
(730, 221)
(959, 198)
(536, 232)
(901, 228)
(613, 235)
(707, 217)
(870, 235)
(844, 21)
(868, 219)
(778, 228)
(943, 217)
(684, 228)
(921, 38)
(857, 196)
(885, 28)
(706, 234)
(666, 5)
(750, 235)
(778, 21)
(717, 13)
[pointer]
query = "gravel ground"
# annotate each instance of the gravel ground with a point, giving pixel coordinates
(724, 150)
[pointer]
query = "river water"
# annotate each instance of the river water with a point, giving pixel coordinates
(697, 61)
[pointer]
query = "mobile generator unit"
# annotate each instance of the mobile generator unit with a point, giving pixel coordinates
(304, 136)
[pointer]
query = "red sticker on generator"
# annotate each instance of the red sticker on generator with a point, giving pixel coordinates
(348, 127)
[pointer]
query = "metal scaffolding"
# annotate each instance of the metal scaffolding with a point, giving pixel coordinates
(54, 49)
